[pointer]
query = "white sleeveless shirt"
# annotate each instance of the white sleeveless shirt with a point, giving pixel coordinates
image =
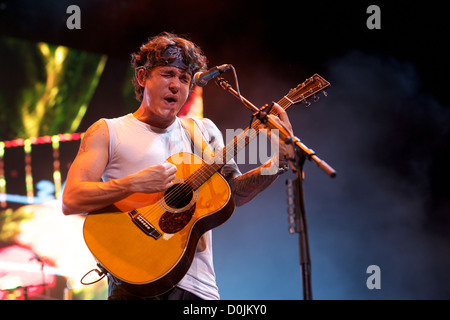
(135, 145)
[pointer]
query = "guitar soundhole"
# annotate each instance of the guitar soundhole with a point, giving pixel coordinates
(178, 196)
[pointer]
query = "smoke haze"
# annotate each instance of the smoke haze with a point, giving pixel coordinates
(381, 133)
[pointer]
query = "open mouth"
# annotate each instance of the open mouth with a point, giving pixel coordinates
(170, 99)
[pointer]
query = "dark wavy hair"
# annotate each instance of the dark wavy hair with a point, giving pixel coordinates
(150, 55)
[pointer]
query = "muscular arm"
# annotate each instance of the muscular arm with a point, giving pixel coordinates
(84, 190)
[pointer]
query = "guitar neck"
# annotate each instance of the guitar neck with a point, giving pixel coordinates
(310, 87)
(243, 139)
(231, 149)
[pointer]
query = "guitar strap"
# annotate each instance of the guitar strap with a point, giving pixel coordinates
(200, 147)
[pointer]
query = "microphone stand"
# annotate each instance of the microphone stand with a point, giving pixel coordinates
(302, 152)
(301, 225)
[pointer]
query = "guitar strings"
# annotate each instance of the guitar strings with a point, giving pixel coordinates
(285, 102)
(206, 170)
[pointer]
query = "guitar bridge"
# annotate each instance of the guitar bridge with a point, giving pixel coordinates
(143, 224)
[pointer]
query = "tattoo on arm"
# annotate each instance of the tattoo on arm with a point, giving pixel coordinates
(87, 135)
(83, 143)
(245, 187)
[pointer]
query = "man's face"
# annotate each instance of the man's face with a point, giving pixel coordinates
(166, 89)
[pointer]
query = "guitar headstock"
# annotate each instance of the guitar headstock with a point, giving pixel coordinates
(310, 87)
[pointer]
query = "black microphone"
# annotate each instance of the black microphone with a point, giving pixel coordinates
(202, 78)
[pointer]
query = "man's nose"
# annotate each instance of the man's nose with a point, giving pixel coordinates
(174, 85)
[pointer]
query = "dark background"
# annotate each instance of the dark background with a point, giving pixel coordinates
(383, 127)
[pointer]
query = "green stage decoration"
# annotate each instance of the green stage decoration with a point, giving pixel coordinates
(45, 89)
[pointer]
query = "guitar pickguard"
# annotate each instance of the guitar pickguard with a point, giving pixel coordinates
(172, 222)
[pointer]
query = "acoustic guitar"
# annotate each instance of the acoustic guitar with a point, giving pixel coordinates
(148, 241)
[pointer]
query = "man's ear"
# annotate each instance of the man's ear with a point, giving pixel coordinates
(140, 76)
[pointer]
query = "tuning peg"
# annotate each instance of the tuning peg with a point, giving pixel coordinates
(307, 103)
(316, 98)
(325, 94)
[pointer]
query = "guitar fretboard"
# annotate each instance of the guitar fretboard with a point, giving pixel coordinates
(305, 90)
(228, 152)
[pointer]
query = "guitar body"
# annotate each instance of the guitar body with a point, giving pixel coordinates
(148, 241)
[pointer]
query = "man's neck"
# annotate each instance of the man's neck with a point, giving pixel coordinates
(152, 120)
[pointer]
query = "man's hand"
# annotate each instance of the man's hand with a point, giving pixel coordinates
(285, 151)
(154, 178)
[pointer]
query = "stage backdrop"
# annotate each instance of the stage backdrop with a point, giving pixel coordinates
(45, 91)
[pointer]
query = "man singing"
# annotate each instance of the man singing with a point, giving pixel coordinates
(127, 155)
